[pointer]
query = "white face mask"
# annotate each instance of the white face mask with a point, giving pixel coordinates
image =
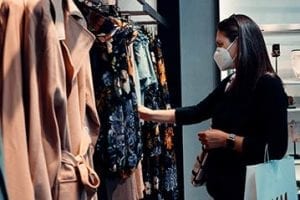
(223, 58)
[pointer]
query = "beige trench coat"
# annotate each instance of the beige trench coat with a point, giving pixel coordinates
(56, 119)
(15, 151)
(82, 114)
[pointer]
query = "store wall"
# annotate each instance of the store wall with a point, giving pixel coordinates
(198, 76)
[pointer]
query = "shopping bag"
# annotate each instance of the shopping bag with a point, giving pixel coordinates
(272, 180)
(198, 177)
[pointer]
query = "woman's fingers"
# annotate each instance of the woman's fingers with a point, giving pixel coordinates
(212, 138)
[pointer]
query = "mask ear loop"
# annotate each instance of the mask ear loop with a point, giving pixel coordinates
(235, 39)
(231, 44)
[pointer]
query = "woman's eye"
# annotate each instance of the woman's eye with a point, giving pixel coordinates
(219, 44)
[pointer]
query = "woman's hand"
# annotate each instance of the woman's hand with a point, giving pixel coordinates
(163, 116)
(144, 112)
(213, 138)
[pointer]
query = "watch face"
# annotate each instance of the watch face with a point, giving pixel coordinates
(230, 141)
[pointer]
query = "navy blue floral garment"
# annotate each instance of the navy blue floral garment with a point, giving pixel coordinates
(159, 161)
(168, 157)
(119, 146)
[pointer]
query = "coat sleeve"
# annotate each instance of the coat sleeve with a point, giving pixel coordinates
(271, 127)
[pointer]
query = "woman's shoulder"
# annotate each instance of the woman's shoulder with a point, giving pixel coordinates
(270, 88)
(270, 78)
(269, 81)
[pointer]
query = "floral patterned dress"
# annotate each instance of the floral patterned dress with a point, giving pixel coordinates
(119, 146)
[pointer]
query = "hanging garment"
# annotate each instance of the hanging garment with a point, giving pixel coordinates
(139, 181)
(159, 64)
(152, 141)
(169, 175)
(159, 161)
(119, 145)
(44, 94)
(76, 176)
(135, 73)
(105, 28)
(136, 80)
(82, 112)
(16, 161)
(144, 61)
(120, 189)
(45, 101)
(152, 147)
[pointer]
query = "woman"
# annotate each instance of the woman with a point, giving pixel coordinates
(248, 109)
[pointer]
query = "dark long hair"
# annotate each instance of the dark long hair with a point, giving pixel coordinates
(252, 59)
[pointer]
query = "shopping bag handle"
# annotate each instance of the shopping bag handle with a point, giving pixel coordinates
(266, 155)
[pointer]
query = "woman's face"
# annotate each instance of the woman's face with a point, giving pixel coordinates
(224, 42)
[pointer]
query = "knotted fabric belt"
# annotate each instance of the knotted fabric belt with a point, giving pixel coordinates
(72, 169)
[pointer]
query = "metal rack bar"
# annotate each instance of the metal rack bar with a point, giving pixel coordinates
(146, 22)
(133, 13)
(147, 10)
(153, 13)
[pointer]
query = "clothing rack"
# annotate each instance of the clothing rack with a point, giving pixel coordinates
(153, 13)
(126, 14)
(147, 10)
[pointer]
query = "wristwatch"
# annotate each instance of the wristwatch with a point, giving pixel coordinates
(230, 141)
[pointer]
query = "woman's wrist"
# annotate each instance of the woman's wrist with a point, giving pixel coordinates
(148, 114)
(231, 141)
(234, 142)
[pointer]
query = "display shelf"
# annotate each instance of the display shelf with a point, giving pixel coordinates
(280, 28)
(297, 109)
(291, 82)
(297, 162)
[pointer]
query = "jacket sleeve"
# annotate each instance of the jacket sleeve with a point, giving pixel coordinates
(271, 127)
(201, 111)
